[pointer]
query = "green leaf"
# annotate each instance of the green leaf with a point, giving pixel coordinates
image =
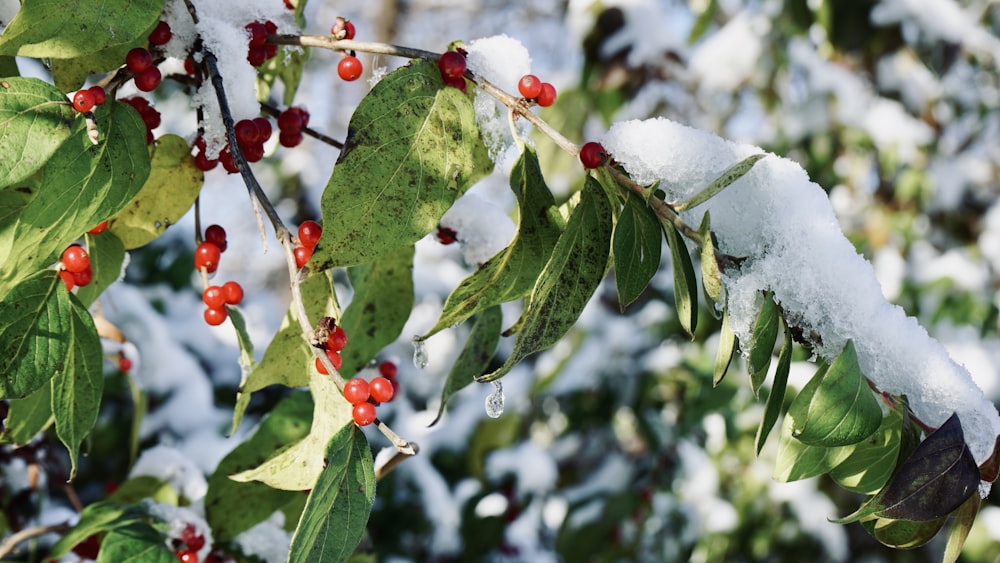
(842, 410)
(232, 507)
(965, 516)
(775, 400)
(137, 542)
(636, 248)
(242, 339)
(765, 334)
(703, 21)
(76, 392)
(903, 534)
(97, 517)
(727, 347)
(81, 185)
(35, 334)
(383, 299)
(513, 271)
(62, 29)
(70, 74)
(289, 359)
(873, 460)
(30, 415)
(107, 254)
(173, 184)
(297, 467)
(730, 175)
(685, 282)
(935, 480)
(711, 276)
(475, 357)
(137, 489)
(570, 277)
(35, 119)
(286, 66)
(412, 148)
(337, 510)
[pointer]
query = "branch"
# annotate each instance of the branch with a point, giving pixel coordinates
(660, 207)
(11, 542)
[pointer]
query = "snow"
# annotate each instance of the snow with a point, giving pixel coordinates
(267, 540)
(501, 60)
(174, 468)
(482, 228)
(781, 222)
(728, 58)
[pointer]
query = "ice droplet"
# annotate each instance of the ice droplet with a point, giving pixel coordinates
(419, 353)
(494, 401)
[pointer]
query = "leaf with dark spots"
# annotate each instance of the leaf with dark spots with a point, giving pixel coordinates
(475, 357)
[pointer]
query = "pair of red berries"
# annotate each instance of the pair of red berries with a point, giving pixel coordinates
(146, 75)
(366, 395)
(259, 50)
(453, 65)
(309, 234)
(251, 134)
(335, 342)
(532, 88)
(75, 270)
(85, 100)
(290, 124)
(349, 68)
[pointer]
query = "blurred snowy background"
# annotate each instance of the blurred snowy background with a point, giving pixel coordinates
(613, 445)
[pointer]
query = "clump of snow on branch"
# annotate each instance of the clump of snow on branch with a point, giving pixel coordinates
(781, 222)
(483, 228)
(502, 61)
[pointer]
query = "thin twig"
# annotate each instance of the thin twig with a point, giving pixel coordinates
(11, 542)
(660, 207)
(381, 470)
(275, 112)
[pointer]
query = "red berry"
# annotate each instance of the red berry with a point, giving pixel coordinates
(187, 556)
(263, 128)
(100, 96)
(67, 278)
(88, 548)
(226, 158)
(547, 96)
(302, 255)
(216, 317)
(452, 64)
(349, 68)
(83, 278)
(207, 256)
(138, 60)
(458, 83)
(213, 297)
(192, 538)
(151, 117)
(247, 132)
(257, 55)
(270, 50)
(83, 101)
(254, 152)
(289, 5)
(381, 390)
(189, 66)
(334, 358)
(348, 30)
(258, 33)
(592, 155)
(216, 235)
(100, 228)
(356, 390)
(388, 369)
(309, 233)
(290, 121)
(337, 339)
(148, 80)
(290, 139)
(75, 259)
(446, 236)
(203, 163)
(529, 86)
(270, 27)
(302, 113)
(124, 364)
(161, 34)
(364, 414)
(233, 292)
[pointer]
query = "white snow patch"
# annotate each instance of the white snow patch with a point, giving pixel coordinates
(502, 60)
(268, 540)
(483, 229)
(172, 467)
(783, 224)
(728, 58)
(533, 467)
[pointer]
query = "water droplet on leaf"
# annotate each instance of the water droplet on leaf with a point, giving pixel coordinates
(494, 401)
(419, 353)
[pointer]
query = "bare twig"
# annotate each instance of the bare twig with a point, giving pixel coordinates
(275, 112)
(381, 470)
(11, 542)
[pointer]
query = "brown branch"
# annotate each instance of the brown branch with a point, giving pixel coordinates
(11, 542)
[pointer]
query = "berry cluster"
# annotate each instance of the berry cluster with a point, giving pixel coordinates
(366, 395)
(309, 233)
(146, 74)
(290, 125)
(215, 297)
(336, 341)
(260, 50)
(190, 543)
(85, 100)
(148, 113)
(452, 66)
(533, 89)
(349, 68)
(75, 267)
